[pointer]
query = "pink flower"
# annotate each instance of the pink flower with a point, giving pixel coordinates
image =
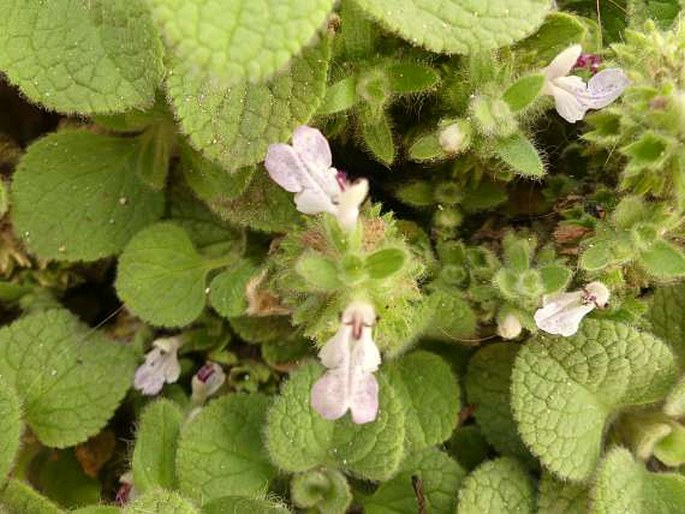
(351, 357)
(305, 168)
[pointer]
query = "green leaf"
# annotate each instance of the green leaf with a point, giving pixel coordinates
(524, 91)
(70, 378)
(160, 501)
(10, 428)
(264, 206)
(468, 446)
(417, 194)
(97, 509)
(208, 180)
(555, 278)
(458, 26)
(318, 271)
(298, 438)
(562, 497)
(325, 489)
(668, 318)
(220, 452)
(564, 390)
(154, 454)
(385, 263)
(559, 31)
(426, 148)
(439, 477)
(452, 317)
(19, 497)
(227, 289)
(76, 196)
(241, 40)
(497, 486)
(674, 405)
(492, 117)
(624, 485)
(410, 77)
(242, 505)
(520, 155)
(85, 57)
(161, 277)
(377, 135)
(429, 393)
(486, 196)
(663, 260)
(234, 126)
(4, 198)
(671, 449)
(340, 96)
(488, 386)
(154, 153)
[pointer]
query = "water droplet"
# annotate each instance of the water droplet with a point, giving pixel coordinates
(123, 200)
(53, 372)
(62, 249)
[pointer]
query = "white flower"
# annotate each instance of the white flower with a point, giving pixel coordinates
(508, 326)
(351, 357)
(161, 365)
(572, 97)
(562, 312)
(304, 168)
(452, 138)
(207, 381)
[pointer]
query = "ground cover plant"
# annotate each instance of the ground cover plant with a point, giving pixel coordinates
(380, 256)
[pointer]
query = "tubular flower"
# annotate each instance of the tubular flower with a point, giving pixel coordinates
(561, 313)
(572, 96)
(351, 357)
(304, 168)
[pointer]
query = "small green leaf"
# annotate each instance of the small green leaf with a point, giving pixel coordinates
(318, 271)
(417, 194)
(668, 318)
(429, 393)
(160, 501)
(674, 405)
(377, 135)
(499, 486)
(458, 26)
(68, 377)
(663, 260)
(562, 497)
(623, 485)
(234, 126)
(154, 154)
(114, 55)
(671, 449)
(427, 148)
(487, 195)
(227, 290)
(154, 454)
(76, 196)
(520, 155)
(325, 489)
(220, 452)
(264, 206)
(555, 278)
(565, 389)
(452, 317)
(4, 198)
(559, 31)
(242, 505)
(242, 40)
(19, 497)
(439, 477)
(97, 509)
(208, 180)
(161, 277)
(492, 117)
(488, 386)
(410, 77)
(10, 428)
(524, 91)
(385, 263)
(340, 96)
